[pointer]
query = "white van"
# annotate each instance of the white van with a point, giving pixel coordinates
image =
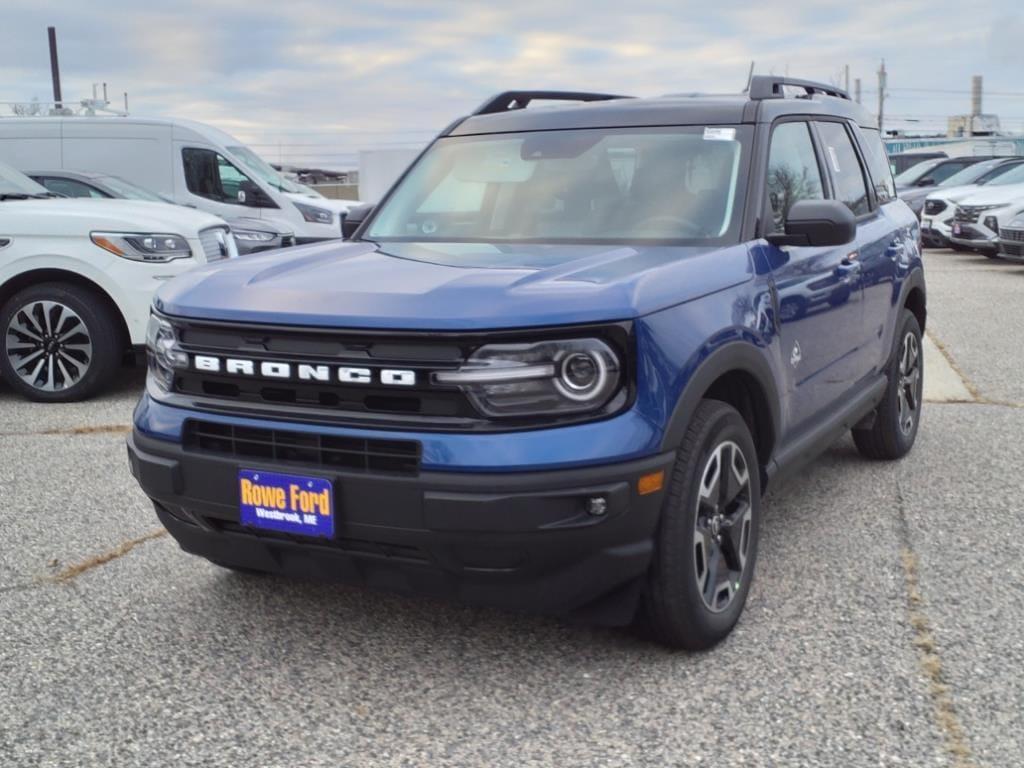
(190, 163)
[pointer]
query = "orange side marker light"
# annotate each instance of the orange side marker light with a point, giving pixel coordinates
(651, 483)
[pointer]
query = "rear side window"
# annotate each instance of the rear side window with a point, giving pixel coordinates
(793, 172)
(847, 174)
(878, 165)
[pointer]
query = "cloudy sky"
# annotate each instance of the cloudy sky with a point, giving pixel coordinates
(312, 81)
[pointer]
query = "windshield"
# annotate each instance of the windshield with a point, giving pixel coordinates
(972, 174)
(128, 191)
(596, 185)
(916, 172)
(17, 184)
(1011, 173)
(261, 169)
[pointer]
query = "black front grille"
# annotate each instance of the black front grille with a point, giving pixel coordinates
(423, 400)
(352, 454)
(1017, 235)
(1013, 249)
(934, 207)
(968, 232)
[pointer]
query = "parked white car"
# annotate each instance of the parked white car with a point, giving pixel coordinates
(186, 162)
(980, 216)
(77, 278)
(937, 216)
(1011, 240)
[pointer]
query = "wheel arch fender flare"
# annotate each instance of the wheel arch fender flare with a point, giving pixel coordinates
(732, 358)
(11, 284)
(914, 281)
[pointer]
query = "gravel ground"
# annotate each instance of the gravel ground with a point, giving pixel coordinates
(155, 658)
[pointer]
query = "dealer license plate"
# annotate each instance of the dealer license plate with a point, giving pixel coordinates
(956, 229)
(286, 503)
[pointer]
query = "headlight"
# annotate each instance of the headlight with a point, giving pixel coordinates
(162, 353)
(253, 235)
(570, 376)
(157, 247)
(315, 215)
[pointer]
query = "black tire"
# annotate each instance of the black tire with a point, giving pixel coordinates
(674, 608)
(890, 437)
(84, 352)
(960, 248)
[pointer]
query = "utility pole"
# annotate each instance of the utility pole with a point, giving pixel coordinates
(846, 78)
(881, 97)
(750, 75)
(54, 67)
(856, 90)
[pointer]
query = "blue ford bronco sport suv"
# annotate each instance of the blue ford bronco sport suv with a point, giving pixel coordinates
(557, 366)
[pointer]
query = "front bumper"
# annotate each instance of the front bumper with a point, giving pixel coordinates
(937, 227)
(975, 235)
(519, 540)
(1011, 244)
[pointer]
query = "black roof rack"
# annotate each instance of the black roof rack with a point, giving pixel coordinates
(771, 87)
(510, 100)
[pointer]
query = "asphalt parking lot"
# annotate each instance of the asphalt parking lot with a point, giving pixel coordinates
(885, 627)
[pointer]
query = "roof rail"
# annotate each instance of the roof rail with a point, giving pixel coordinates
(771, 87)
(510, 100)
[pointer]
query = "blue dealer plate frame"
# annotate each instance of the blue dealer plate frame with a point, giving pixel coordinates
(295, 504)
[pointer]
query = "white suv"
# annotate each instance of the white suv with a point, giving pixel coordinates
(77, 278)
(937, 217)
(979, 217)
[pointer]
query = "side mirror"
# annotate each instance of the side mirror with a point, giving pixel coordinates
(354, 219)
(927, 181)
(817, 223)
(251, 195)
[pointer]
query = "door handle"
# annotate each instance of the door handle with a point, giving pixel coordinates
(848, 266)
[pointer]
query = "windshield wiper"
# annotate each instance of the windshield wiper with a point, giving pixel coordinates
(25, 196)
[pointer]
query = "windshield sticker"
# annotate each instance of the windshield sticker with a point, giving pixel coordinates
(835, 159)
(719, 134)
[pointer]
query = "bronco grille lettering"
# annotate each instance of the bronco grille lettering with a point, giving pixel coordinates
(273, 369)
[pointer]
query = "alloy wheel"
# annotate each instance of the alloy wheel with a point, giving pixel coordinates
(721, 539)
(48, 345)
(908, 392)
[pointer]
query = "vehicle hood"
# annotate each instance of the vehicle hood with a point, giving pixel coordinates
(954, 193)
(452, 286)
(1004, 194)
(338, 206)
(80, 216)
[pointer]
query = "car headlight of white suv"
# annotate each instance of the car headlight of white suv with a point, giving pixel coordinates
(155, 248)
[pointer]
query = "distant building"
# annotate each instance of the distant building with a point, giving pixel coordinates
(973, 125)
